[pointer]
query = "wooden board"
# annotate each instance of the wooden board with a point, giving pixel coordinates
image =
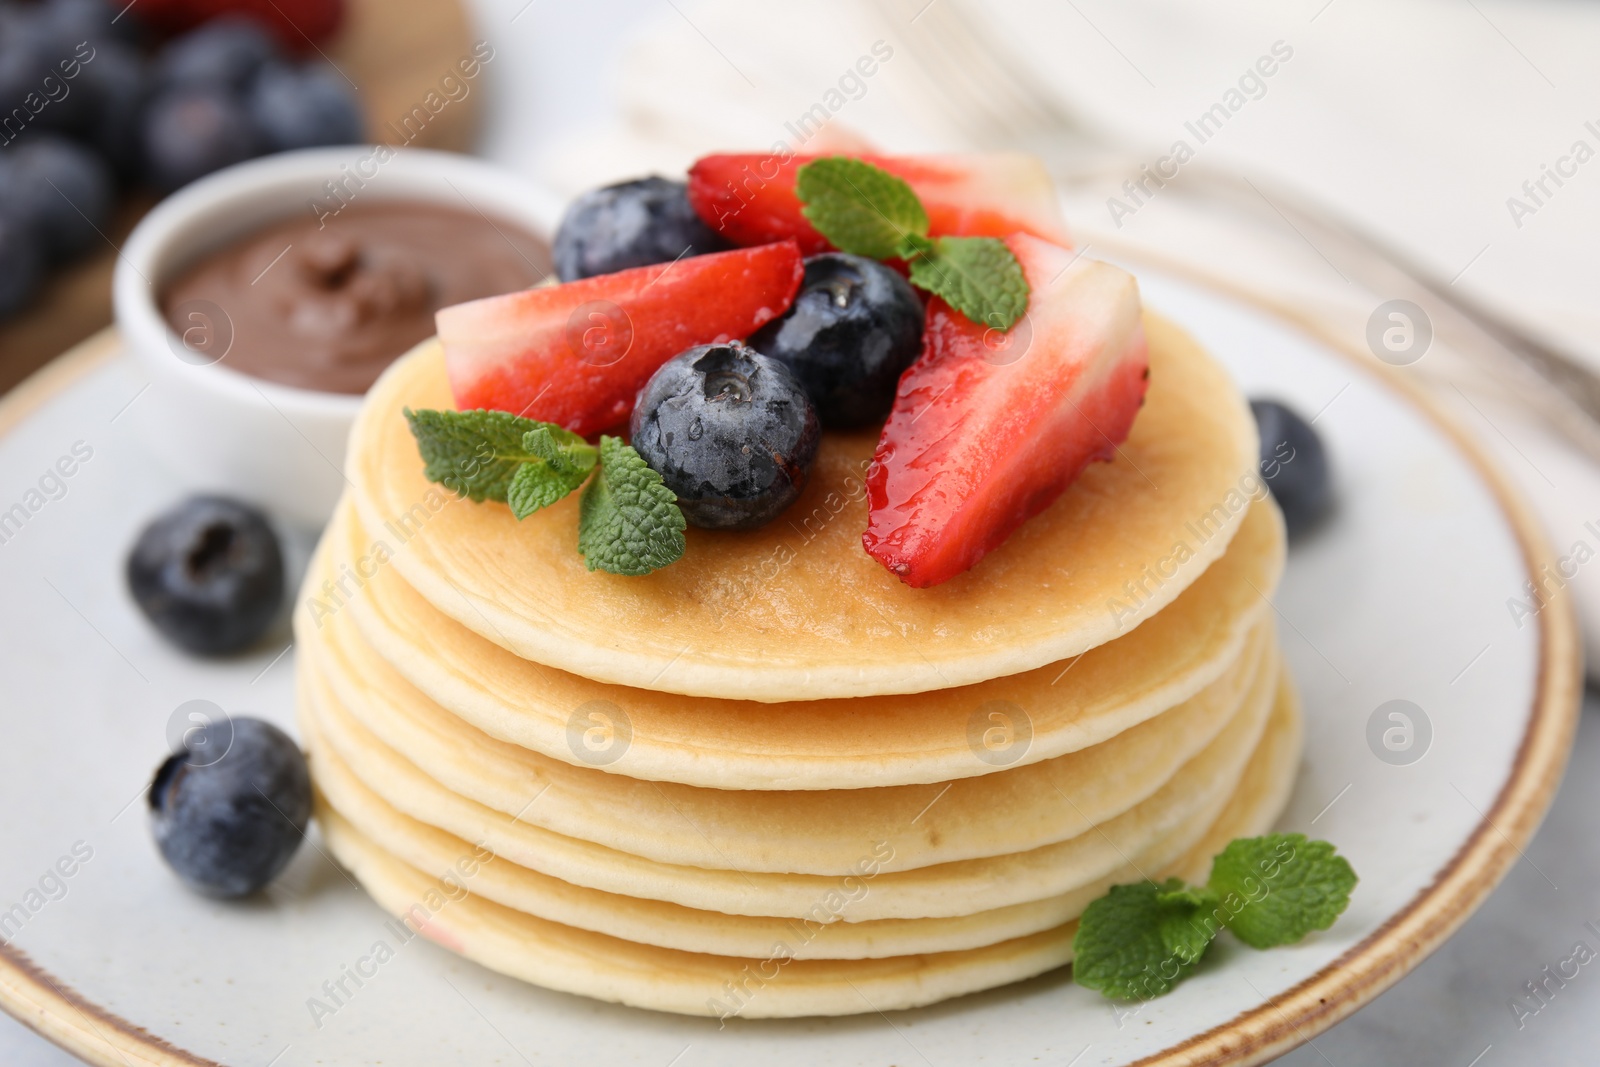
(395, 51)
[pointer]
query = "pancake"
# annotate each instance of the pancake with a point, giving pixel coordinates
(775, 984)
(796, 610)
(817, 744)
(801, 831)
(946, 889)
(827, 933)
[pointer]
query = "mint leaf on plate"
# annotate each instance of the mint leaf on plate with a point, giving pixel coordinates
(628, 520)
(1278, 888)
(1138, 941)
(859, 208)
(1119, 948)
(978, 276)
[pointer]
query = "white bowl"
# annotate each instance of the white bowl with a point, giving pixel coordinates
(278, 446)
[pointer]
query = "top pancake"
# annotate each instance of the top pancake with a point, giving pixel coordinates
(797, 610)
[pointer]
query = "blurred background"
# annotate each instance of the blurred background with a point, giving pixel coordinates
(1446, 151)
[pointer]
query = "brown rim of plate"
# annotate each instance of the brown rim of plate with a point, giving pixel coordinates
(1255, 1036)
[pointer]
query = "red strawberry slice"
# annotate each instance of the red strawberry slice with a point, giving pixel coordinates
(296, 23)
(750, 198)
(988, 429)
(577, 354)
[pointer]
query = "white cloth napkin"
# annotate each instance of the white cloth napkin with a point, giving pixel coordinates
(1420, 122)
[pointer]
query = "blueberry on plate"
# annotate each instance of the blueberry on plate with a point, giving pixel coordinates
(631, 224)
(853, 328)
(63, 190)
(225, 53)
(208, 574)
(304, 107)
(19, 261)
(228, 825)
(1294, 465)
(731, 432)
(188, 133)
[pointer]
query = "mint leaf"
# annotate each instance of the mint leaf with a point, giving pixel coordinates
(1274, 890)
(1185, 931)
(474, 453)
(495, 455)
(1138, 941)
(858, 207)
(867, 211)
(564, 461)
(914, 245)
(628, 520)
(1200, 897)
(538, 485)
(562, 449)
(1120, 949)
(978, 276)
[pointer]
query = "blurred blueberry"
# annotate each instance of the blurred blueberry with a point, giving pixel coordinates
(1294, 464)
(24, 62)
(61, 190)
(19, 264)
(303, 107)
(117, 83)
(72, 22)
(188, 133)
(225, 53)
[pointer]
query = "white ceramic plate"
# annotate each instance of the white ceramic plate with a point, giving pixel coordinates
(1403, 596)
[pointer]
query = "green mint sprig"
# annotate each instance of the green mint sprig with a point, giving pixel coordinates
(1138, 941)
(628, 520)
(866, 211)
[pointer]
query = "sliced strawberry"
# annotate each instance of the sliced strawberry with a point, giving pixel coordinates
(987, 429)
(296, 23)
(750, 198)
(577, 354)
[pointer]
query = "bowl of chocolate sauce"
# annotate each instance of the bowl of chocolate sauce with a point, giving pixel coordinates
(263, 301)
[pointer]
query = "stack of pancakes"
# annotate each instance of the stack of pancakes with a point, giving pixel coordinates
(771, 780)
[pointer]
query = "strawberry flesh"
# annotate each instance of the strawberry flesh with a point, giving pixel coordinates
(750, 199)
(577, 354)
(988, 429)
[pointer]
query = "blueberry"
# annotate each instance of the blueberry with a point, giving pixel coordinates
(64, 192)
(228, 825)
(26, 59)
(303, 107)
(225, 53)
(188, 133)
(19, 262)
(1294, 464)
(631, 224)
(852, 329)
(208, 574)
(731, 431)
(74, 22)
(116, 81)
